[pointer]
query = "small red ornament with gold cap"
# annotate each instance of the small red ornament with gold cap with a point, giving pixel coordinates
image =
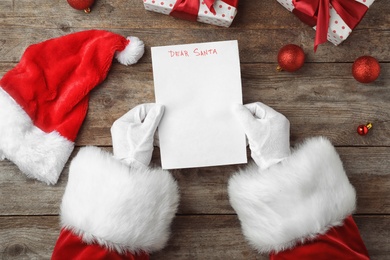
(363, 129)
(81, 5)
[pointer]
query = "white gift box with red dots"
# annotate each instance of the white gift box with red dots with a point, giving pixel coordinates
(338, 30)
(224, 16)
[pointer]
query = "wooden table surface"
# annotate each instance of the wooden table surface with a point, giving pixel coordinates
(320, 99)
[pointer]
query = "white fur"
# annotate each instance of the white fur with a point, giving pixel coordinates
(132, 53)
(117, 206)
(295, 200)
(38, 154)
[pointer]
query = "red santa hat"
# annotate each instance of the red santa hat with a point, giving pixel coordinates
(44, 99)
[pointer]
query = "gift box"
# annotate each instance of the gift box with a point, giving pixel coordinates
(216, 12)
(333, 20)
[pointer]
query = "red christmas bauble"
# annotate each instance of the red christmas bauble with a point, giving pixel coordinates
(291, 58)
(363, 129)
(81, 4)
(366, 69)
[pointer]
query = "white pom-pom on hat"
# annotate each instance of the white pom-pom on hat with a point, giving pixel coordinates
(132, 53)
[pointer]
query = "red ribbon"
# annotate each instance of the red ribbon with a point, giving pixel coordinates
(316, 13)
(189, 9)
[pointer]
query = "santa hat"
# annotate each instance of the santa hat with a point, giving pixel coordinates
(44, 99)
(300, 208)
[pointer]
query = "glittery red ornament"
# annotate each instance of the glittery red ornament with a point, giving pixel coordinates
(81, 4)
(366, 69)
(290, 58)
(363, 129)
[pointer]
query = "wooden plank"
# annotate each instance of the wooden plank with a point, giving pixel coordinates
(193, 237)
(375, 233)
(208, 236)
(28, 237)
(256, 45)
(331, 104)
(132, 14)
(22, 196)
(6, 5)
(203, 190)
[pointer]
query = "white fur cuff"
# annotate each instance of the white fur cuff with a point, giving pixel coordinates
(295, 200)
(118, 207)
(39, 155)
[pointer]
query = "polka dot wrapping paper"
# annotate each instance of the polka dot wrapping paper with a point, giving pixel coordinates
(224, 12)
(338, 30)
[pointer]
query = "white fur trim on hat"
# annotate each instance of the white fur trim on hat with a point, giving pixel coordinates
(132, 53)
(38, 154)
(295, 200)
(117, 206)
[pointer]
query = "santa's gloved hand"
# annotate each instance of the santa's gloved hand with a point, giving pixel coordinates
(133, 133)
(268, 133)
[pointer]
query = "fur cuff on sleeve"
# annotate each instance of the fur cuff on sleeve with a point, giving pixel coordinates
(295, 200)
(116, 206)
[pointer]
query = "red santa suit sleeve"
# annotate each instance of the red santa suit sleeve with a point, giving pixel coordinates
(300, 208)
(113, 211)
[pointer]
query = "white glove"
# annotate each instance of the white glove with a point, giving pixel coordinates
(268, 133)
(133, 133)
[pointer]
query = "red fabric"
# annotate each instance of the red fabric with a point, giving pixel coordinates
(186, 10)
(53, 78)
(189, 9)
(70, 246)
(343, 242)
(316, 12)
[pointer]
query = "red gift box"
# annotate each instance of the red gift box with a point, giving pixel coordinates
(216, 12)
(333, 20)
